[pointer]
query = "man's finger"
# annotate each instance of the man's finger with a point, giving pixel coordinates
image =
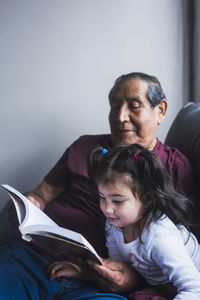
(108, 270)
(33, 200)
(118, 275)
(70, 269)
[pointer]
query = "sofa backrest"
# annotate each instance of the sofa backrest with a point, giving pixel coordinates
(184, 133)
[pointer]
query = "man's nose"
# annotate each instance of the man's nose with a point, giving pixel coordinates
(124, 113)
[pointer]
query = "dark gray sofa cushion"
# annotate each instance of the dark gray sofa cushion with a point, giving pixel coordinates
(184, 133)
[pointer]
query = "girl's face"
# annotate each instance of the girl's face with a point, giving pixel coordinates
(118, 203)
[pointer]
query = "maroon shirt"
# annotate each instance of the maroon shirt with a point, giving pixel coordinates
(77, 208)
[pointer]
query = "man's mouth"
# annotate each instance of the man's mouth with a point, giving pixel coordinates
(126, 131)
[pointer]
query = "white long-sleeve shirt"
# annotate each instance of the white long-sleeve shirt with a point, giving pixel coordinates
(168, 254)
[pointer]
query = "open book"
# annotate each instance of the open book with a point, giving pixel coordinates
(35, 226)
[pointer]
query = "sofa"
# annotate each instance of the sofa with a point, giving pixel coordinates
(184, 133)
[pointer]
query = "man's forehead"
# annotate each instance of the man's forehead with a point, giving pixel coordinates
(130, 88)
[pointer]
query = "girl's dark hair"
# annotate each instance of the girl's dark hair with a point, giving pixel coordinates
(155, 92)
(148, 179)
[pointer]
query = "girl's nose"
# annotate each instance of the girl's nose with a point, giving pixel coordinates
(108, 208)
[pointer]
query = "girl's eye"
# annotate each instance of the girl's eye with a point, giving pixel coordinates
(117, 202)
(101, 197)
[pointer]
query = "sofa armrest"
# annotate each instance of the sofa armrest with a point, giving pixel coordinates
(184, 133)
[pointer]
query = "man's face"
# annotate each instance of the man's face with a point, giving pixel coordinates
(132, 119)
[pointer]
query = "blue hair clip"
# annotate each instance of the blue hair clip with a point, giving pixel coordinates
(104, 151)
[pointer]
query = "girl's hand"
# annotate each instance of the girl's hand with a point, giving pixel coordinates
(63, 268)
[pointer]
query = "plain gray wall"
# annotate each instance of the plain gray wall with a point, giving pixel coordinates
(58, 61)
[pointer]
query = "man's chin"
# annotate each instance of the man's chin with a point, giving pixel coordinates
(125, 141)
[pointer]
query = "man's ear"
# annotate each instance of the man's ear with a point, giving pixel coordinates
(161, 110)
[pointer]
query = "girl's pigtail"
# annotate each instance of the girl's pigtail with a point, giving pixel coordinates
(93, 161)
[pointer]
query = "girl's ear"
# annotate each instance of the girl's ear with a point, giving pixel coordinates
(148, 199)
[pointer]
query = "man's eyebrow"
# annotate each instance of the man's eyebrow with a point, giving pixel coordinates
(135, 98)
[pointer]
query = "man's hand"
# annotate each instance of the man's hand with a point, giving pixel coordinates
(43, 194)
(114, 276)
(63, 268)
(34, 200)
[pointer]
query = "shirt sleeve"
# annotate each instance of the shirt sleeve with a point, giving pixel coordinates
(60, 173)
(170, 254)
(111, 242)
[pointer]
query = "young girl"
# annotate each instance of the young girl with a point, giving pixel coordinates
(147, 220)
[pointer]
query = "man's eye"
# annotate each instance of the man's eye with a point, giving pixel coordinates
(134, 106)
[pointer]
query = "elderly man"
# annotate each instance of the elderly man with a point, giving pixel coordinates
(137, 108)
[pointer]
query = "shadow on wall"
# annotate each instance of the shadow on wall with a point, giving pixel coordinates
(28, 175)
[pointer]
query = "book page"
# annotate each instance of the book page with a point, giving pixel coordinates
(34, 220)
(36, 226)
(28, 213)
(47, 229)
(64, 237)
(20, 208)
(60, 249)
